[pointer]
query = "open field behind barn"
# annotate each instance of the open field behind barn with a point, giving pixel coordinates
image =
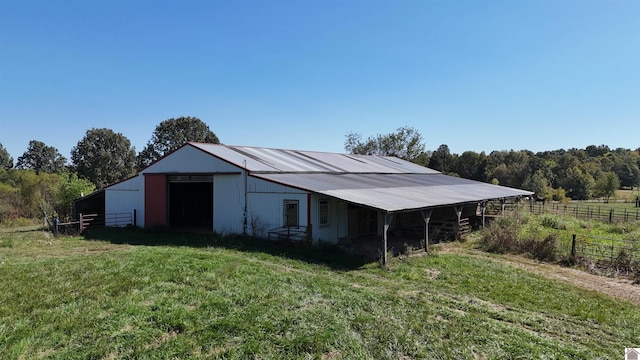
(134, 294)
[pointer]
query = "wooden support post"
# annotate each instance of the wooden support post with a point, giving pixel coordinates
(458, 214)
(483, 209)
(387, 222)
(426, 216)
(503, 204)
(573, 248)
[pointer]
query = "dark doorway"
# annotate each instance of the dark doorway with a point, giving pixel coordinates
(361, 222)
(191, 205)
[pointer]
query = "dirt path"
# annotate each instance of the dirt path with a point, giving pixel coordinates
(615, 287)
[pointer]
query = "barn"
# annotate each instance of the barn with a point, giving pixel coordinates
(300, 195)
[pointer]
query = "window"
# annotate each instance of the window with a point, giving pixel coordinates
(291, 213)
(323, 213)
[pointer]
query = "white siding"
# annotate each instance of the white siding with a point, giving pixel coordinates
(189, 159)
(126, 196)
(265, 205)
(255, 185)
(228, 204)
(328, 233)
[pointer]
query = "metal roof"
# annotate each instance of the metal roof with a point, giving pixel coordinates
(381, 182)
(255, 159)
(396, 192)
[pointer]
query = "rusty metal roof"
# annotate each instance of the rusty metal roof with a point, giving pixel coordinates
(396, 192)
(381, 182)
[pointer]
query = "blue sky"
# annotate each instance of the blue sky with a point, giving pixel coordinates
(300, 74)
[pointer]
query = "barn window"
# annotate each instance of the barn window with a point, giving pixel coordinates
(291, 213)
(323, 213)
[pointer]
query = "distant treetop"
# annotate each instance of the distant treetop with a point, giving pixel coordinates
(171, 134)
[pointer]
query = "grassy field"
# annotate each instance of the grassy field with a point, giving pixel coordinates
(136, 294)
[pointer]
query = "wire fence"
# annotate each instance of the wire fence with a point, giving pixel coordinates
(588, 212)
(622, 255)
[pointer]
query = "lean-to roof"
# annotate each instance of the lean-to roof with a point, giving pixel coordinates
(381, 182)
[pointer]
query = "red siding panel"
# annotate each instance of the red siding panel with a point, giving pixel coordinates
(155, 200)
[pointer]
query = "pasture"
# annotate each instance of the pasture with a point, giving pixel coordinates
(135, 294)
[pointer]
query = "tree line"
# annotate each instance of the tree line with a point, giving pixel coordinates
(596, 171)
(43, 183)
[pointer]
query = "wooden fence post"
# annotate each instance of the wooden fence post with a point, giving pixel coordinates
(573, 248)
(611, 215)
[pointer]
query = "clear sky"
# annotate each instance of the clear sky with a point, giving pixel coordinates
(300, 74)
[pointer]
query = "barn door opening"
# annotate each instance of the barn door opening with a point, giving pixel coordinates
(191, 202)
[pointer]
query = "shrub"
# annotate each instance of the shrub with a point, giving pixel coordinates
(553, 222)
(502, 235)
(543, 250)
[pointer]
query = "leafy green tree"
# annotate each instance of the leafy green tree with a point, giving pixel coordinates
(537, 183)
(10, 206)
(597, 151)
(471, 165)
(627, 169)
(41, 157)
(511, 168)
(171, 134)
(71, 188)
(6, 161)
(606, 186)
(406, 143)
(104, 157)
(579, 184)
(442, 159)
(38, 193)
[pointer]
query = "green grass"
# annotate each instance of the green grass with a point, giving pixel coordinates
(564, 226)
(156, 295)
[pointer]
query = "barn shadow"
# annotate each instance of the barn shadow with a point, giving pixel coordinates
(331, 256)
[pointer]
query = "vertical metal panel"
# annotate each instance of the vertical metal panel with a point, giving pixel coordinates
(329, 233)
(266, 210)
(255, 185)
(155, 200)
(228, 204)
(126, 196)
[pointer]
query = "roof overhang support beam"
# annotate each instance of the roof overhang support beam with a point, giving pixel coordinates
(458, 209)
(426, 216)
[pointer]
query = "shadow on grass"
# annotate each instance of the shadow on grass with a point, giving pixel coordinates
(327, 255)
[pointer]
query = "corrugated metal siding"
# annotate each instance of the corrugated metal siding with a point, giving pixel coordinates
(189, 159)
(228, 204)
(266, 210)
(126, 196)
(255, 185)
(155, 200)
(329, 232)
(393, 192)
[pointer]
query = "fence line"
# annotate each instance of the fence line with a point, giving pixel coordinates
(607, 252)
(86, 221)
(588, 212)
